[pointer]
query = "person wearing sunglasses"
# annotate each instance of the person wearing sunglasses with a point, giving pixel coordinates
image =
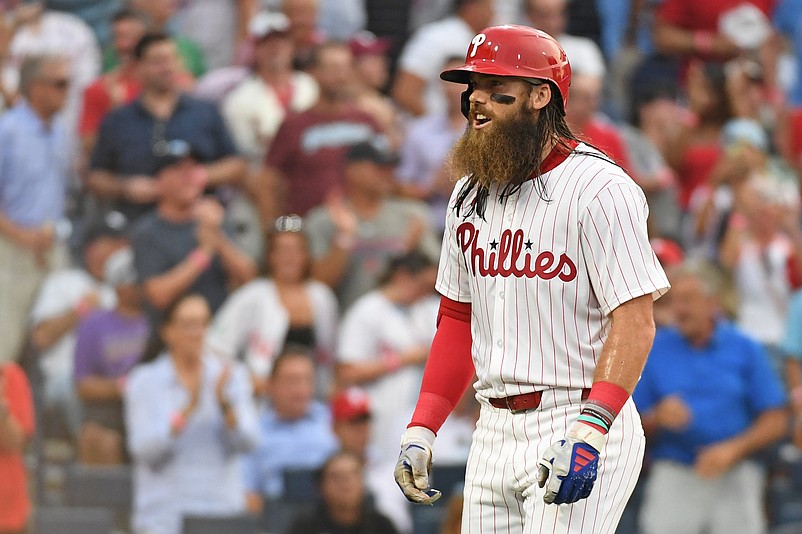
(34, 169)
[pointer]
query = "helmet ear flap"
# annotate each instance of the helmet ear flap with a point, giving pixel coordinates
(465, 101)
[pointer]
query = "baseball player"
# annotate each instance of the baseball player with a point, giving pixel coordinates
(547, 281)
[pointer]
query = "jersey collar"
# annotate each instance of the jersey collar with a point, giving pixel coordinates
(558, 154)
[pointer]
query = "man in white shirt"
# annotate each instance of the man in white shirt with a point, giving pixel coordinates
(417, 86)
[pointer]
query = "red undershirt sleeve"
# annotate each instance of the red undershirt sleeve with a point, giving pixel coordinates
(449, 369)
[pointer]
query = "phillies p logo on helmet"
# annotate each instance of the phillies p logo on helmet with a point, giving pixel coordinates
(476, 41)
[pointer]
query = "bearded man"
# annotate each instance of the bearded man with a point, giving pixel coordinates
(547, 281)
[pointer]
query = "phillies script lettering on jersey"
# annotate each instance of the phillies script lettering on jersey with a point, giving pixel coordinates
(511, 259)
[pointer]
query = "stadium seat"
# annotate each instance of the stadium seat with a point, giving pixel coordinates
(109, 487)
(83, 519)
(300, 485)
(279, 514)
(235, 524)
(790, 528)
(448, 479)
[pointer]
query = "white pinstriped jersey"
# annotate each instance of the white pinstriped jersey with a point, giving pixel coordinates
(542, 277)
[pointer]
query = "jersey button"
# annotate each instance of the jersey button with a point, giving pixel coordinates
(499, 343)
(501, 295)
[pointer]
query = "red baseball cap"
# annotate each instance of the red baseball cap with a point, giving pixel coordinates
(365, 43)
(667, 251)
(349, 404)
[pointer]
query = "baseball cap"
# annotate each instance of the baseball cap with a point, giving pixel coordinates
(267, 23)
(350, 404)
(119, 268)
(747, 131)
(171, 152)
(112, 224)
(374, 151)
(366, 43)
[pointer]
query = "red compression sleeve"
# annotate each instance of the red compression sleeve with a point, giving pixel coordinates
(449, 368)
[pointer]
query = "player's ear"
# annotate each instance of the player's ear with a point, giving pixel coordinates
(539, 96)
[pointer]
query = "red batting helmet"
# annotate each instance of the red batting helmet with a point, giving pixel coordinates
(512, 50)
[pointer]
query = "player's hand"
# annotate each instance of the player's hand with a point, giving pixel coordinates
(414, 464)
(568, 468)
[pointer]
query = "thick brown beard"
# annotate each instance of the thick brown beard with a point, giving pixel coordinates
(507, 152)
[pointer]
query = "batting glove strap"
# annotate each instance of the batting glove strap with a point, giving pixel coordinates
(589, 435)
(414, 465)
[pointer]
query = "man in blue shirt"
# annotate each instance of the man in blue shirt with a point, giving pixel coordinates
(709, 398)
(124, 164)
(34, 165)
(295, 429)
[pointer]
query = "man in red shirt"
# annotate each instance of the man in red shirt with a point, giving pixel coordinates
(16, 429)
(693, 28)
(119, 85)
(306, 160)
(581, 113)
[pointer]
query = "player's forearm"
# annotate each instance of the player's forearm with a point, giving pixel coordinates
(449, 369)
(628, 344)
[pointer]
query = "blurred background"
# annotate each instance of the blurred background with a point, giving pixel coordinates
(220, 224)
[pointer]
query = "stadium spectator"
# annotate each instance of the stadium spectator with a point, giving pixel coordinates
(118, 85)
(255, 109)
(190, 418)
(306, 159)
(287, 308)
(65, 297)
(343, 506)
(34, 172)
(16, 429)
(709, 399)
(108, 345)
(582, 114)
(352, 424)
(219, 28)
(761, 240)
(160, 14)
(353, 236)
(304, 30)
(182, 245)
(47, 32)
(377, 348)
(423, 173)
(372, 73)
(695, 150)
(125, 158)
(655, 120)
(551, 16)
(295, 429)
(417, 88)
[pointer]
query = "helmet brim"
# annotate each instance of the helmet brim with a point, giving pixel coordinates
(463, 74)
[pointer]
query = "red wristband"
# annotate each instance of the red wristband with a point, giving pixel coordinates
(609, 395)
(200, 259)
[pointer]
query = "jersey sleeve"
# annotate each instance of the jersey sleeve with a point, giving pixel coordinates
(618, 257)
(453, 278)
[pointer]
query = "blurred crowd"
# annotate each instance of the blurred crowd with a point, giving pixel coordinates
(220, 223)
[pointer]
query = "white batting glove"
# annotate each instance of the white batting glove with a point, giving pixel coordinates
(415, 464)
(569, 466)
